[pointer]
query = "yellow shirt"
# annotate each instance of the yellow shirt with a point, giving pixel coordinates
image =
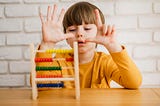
(102, 69)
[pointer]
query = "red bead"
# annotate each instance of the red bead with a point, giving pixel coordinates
(69, 59)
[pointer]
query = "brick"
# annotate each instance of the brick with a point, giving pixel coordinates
(41, 1)
(2, 40)
(146, 52)
(21, 10)
(135, 37)
(65, 6)
(131, 7)
(27, 53)
(20, 66)
(32, 25)
(10, 1)
(146, 65)
(28, 80)
(68, 0)
(11, 80)
(22, 39)
(156, 7)
(121, 22)
(158, 67)
(3, 67)
(129, 49)
(151, 79)
(107, 8)
(1, 11)
(10, 25)
(10, 53)
(149, 21)
(156, 36)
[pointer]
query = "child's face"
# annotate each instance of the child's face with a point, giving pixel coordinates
(81, 32)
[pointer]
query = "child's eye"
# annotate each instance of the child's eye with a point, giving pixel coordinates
(71, 30)
(87, 28)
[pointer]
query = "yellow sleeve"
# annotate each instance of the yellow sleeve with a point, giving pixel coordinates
(124, 71)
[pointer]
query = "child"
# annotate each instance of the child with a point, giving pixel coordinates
(85, 23)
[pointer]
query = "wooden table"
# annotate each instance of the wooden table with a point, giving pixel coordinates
(89, 97)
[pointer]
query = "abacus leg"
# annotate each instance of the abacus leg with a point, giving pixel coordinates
(33, 74)
(34, 92)
(76, 68)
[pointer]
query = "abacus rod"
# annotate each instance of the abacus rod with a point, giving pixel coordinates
(38, 68)
(52, 59)
(58, 51)
(54, 79)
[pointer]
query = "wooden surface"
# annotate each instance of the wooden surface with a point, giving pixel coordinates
(89, 97)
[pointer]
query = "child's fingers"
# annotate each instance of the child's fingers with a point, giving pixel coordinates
(98, 18)
(108, 30)
(41, 17)
(91, 39)
(66, 36)
(61, 16)
(49, 13)
(113, 30)
(54, 12)
(104, 29)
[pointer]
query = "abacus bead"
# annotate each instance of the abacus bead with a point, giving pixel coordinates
(69, 59)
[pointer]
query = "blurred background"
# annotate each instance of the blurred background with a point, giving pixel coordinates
(137, 23)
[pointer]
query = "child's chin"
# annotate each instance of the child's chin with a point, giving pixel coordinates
(81, 51)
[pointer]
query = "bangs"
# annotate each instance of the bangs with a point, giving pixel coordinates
(82, 12)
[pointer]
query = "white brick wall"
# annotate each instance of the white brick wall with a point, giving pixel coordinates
(152, 21)
(1, 10)
(10, 25)
(10, 53)
(22, 67)
(2, 39)
(157, 7)
(152, 51)
(123, 22)
(156, 37)
(3, 67)
(132, 7)
(32, 25)
(22, 39)
(21, 10)
(12, 80)
(137, 24)
(10, 1)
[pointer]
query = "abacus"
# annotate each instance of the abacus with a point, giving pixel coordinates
(54, 78)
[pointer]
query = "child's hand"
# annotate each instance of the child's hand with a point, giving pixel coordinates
(52, 31)
(105, 35)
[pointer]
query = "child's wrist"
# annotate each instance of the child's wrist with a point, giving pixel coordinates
(46, 45)
(112, 48)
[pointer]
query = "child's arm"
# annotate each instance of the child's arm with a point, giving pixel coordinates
(105, 36)
(121, 69)
(52, 28)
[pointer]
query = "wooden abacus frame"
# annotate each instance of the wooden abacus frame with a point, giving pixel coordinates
(35, 80)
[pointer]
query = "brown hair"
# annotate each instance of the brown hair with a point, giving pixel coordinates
(81, 12)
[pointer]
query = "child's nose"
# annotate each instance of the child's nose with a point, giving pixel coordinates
(80, 35)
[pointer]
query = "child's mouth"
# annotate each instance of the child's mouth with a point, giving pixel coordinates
(81, 43)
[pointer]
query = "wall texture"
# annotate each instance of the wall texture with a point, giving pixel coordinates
(137, 23)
